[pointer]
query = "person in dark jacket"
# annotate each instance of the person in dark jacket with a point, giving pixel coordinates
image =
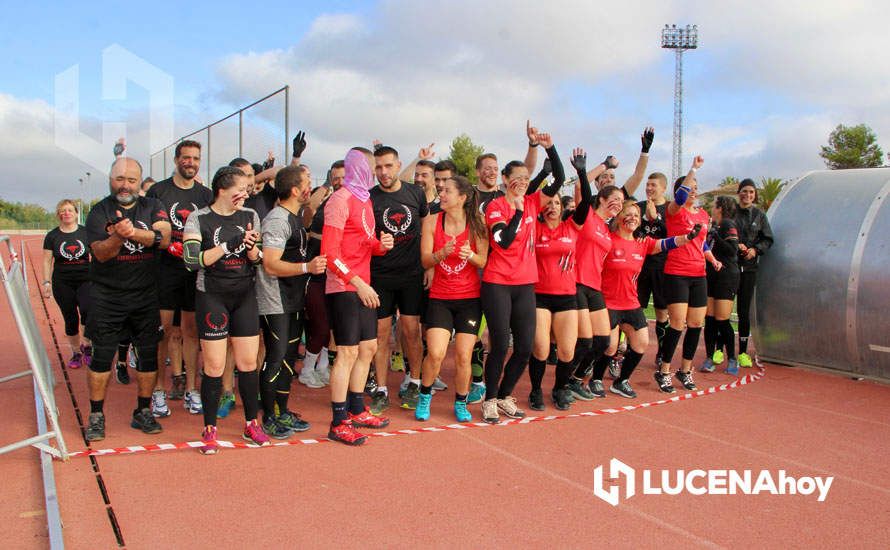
(755, 238)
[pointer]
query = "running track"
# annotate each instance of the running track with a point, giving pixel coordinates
(529, 484)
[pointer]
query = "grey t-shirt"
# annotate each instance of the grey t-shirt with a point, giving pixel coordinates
(284, 231)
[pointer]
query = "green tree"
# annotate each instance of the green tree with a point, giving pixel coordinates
(852, 147)
(769, 190)
(463, 154)
(729, 180)
(16, 215)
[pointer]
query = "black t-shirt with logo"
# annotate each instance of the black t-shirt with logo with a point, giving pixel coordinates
(234, 272)
(317, 226)
(485, 197)
(657, 229)
(399, 213)
(179, 203)
(71, 254)
(263, 202)
(135, 267)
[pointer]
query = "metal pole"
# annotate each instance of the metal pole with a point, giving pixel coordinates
(286, 124)
(207, 179)
(678, 115)
(240, 133)
(87, 190)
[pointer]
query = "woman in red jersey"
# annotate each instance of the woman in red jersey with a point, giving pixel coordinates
(621, 269)
(685, 285)
(455, 243)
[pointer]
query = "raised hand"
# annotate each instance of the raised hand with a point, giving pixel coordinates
(545, 140)
(697, 162)
(579, 159)
(119, 147)
(270, 161)
(376, 144)
(426, 153)
(611, 162)
(532, 134)
(299, 144)
(647, 138)
(651, 211)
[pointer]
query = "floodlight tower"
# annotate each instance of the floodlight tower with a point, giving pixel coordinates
(679, 40)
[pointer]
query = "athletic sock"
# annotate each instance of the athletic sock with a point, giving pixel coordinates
(743, 344)
(563, 372)
(96, 406)
(211, 389)
(384, 389)
(631, 360)
(248, 388)
(426, 390)
(727, 336)
(536, 368)
(323, 363)
(310, 360)
(600, 366)
(669, 344)
(356, 402)
(690, 342)
(414, 380)
(338, 409)
(711, 336)
(460, 397)
(660, 330)
(143, 402)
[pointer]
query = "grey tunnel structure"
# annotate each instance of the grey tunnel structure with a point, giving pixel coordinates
(823, 290)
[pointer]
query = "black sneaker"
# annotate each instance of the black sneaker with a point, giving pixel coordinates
(379, 402)
(597, 388)
(562, 399)
(685, 378)
(536, 400)
(275, 429)
(622, 388)
(664, 382)
(371, 384)
(145, 421)
(121, 374)
(96, 429)
(658, 361)
(615, 367)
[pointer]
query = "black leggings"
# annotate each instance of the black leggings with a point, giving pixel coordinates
(507, 308)
(743, 309)
(72, 297)
(318, 329)
(281, 335)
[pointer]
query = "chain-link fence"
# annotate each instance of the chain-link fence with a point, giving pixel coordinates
(252, 132)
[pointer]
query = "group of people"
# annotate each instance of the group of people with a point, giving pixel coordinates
(174, 267)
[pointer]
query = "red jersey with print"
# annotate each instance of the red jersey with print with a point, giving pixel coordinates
(621, 270)
(454, 279)
(348, 239)
(555, 253)
(516, 264)
(594, 244)
(689, 260)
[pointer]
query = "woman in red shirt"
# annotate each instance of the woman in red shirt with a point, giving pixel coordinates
(455, 243)
(685, 286)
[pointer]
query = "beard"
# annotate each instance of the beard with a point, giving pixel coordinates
(125, 198)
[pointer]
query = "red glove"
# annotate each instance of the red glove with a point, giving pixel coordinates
(175, 249)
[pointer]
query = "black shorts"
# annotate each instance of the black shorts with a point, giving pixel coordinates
(463, 316)
(120, 315)
(723, 284)
(679, 289)
(404, 295)
(590, 299)
(651, 283)
(350, 320)
(219, 316)
(554, 303)
(633, 317)
(176, 288)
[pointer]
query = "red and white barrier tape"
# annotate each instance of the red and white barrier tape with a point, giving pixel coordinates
(747, 379)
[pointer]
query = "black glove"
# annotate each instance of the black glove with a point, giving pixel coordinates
(299, 143)
(647, 138)
(118, 149)
(231, 244)
(269, 163)
(610, 162)
(547, 169)
(696, 229)
(111, 222)
(580, 163)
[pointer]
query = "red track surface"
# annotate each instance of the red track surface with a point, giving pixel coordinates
(505, 486)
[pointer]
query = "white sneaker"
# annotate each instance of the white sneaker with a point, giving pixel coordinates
(404, 385)
(323, 375)
(159, 408)
(192, 402)
(309, 378)
(438, 385)
(131, 358)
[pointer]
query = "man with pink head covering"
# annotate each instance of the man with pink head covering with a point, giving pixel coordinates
(349, 240)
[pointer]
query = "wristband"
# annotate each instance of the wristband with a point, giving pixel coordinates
(693, 169)
(644, 154)
(470, 257)
(533, 144)
(305, 269)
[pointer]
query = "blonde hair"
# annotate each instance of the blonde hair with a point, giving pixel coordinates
(628, 203)
(63, 202)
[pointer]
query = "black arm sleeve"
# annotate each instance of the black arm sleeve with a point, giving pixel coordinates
(559, 174)
(580, 214)
(536, 182)
(726, 241)
(504, 234)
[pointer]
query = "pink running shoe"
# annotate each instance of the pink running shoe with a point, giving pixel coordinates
(87, 355)
(208, 437)
(254, 433)
(76, 360)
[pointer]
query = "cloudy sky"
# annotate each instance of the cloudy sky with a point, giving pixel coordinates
(768, 83)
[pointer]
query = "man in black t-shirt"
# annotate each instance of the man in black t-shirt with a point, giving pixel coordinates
(180, 195)
(397, 277)
(651, 279)
(125, 232)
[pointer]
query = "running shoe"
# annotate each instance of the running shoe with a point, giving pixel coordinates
(422, 412)
(509, 408)
(76, 360)
(208, 438)
(410, 397)
(490, 411)
(708, 365)
(345, 433)
(597, 388)
(87, 352)
(309, 378)
(254, 433)
(121, 374)
(226, 404)
(732, 367)
(324, 375)
(745, 360)
(192, 402)
(664, 382)
(439, 385)
(477, 393)
(159, 408)
(403, 387)
(461, 413)
(685, 378)
(367, 420)
(177, 391)
(131, 359)
(580, 390)
(561, 399)
(371, 382)
(658, 361)
(718, 357)
(143, 420)
(379, 402)
(397, 362)
(275, 429)
(96, 429)
(615, 367)
(536, 400)
(622, 388)
(292, 421)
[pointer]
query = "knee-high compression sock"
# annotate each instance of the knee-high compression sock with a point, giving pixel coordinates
(563, 373)
(631, 360)
(478, 361)
(711, 340)
(599, 345)
(536, 368)
(248, 387)
(743, 344)
(727, 336)
(660, 329)
(282, 390)
(600, 366)
(690, 342)
(211, 390)
(582, 347)
(669, 345)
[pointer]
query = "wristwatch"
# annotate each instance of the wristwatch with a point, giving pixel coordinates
(158, 237)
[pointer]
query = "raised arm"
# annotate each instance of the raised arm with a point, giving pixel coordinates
(531, 156)
(681, 195)
(633, 182)
(425, 153)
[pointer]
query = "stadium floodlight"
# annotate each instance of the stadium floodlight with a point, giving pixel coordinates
(678, 39)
